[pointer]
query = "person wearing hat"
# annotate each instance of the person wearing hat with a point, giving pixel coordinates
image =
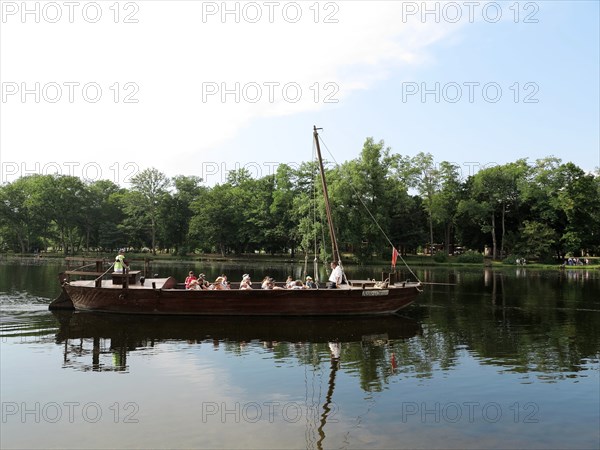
(246, 282)
(218, 284)
(310, 284)
(120, 262)
(191, 280)
(201, 282)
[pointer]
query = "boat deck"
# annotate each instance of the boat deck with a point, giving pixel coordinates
(170, 283)
(149, 283)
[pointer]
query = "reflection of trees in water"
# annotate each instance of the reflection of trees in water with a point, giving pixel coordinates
(374, 360)
(420, 356)
(543, 323)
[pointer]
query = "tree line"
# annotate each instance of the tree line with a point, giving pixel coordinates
(541, 210)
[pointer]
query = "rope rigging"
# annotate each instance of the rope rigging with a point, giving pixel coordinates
(369, 212)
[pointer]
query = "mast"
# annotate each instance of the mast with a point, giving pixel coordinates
(334, 245)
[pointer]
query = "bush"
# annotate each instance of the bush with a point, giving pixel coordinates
(182, 251)
(470, 257)
(440, 257)
(510, 259)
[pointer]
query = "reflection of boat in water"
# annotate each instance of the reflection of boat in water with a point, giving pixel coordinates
(129, 293)
(108, 340)
(113, 336)
(131, 329)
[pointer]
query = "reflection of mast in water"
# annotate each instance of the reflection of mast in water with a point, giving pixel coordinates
(335, 365)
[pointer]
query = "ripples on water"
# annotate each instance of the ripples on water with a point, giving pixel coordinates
(23, 314)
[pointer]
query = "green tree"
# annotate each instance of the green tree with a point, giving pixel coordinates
(99, 212)
(567, 199)
(497, 190)
(307, 211)
(446, 199)
(149, 189)
(110, 213)
(176, 212)
(21, 220)
(216, 220)
(420, 173)
(537, 240)
(362, 195)
(61, 200)
(284, 231)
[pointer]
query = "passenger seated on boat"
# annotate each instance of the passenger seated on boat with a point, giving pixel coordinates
(200, 283)
(289, 283)
(297, 285)
(265, 282)
(246, 282)
(269, 283)
(217, 285)
(225, 283)
(310, 284)
(191, 278)
(335, 279)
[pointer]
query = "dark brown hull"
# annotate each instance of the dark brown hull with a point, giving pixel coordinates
(321, 302)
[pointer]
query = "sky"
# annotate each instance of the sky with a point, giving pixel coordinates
(106, 89)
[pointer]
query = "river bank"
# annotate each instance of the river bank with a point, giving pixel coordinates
(349, 260)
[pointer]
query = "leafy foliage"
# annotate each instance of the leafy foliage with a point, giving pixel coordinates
(440, 257)
(539, 210)
(470, 257)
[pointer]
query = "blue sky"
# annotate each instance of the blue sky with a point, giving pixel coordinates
(371, 61)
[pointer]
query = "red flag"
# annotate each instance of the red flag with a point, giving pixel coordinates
(394, 256)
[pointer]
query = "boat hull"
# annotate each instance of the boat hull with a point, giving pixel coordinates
(322, 302)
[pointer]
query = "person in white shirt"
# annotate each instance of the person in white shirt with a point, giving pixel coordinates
(246, 282)
(335, 279)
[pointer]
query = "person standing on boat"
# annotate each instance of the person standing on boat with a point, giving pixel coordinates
(120, 262)
(335, 279)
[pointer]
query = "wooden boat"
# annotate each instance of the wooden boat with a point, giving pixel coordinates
(129, 293)
(166, 296)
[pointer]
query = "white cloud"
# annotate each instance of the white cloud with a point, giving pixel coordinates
(171, 58)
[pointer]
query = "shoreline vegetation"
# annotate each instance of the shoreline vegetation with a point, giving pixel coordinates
(543, 211)
(349, 260)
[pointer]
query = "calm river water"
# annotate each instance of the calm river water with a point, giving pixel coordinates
(504, 359)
